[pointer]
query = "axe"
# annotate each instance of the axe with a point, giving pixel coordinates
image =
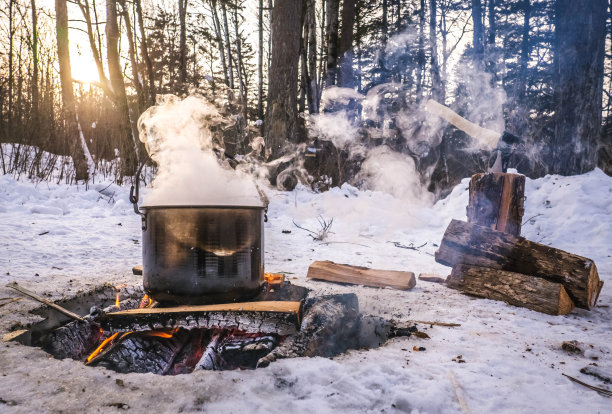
(503, 143)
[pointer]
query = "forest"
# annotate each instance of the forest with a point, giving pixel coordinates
(346, 78)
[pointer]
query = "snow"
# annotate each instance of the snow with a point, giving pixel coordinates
(62, 239)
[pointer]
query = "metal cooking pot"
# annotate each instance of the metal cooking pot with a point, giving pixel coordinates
(201, 254)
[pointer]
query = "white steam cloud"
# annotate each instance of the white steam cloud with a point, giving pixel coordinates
(178, 137)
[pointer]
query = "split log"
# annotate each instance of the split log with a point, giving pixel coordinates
(281, 317)
(358, 275)
(330, 327)
(534, 293)
(432, 277)
(496, 201)
(466, 243)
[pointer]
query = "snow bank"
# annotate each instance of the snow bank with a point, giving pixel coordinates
(57, 237)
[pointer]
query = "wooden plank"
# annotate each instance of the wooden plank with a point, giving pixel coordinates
(263, 306)
(357, 275)
(468, 243)
(281, 317)
(516, 289)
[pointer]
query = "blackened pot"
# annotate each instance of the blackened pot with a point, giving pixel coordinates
(202, 254)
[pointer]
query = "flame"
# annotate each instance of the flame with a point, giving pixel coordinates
(117, 301)
(99, 349)
(274, 278)
(162, 333)
(145, 302)
(107, 342)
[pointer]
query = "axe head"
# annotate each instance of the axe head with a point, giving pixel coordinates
(505, 147)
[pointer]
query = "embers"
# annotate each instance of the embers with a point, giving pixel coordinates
(183, 351)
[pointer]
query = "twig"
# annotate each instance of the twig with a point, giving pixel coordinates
(343, 242)
(321, 234)
(437, 323)
(459, 393)
(411, 246)
(47, 302)
(600, 391)
(10, 301)
(530, 218)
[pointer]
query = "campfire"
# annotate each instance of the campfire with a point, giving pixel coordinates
(136, 334)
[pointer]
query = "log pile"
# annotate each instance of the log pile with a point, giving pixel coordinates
(503, 266)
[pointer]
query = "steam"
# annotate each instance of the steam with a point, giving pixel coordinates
(177, 135)
(393, 173)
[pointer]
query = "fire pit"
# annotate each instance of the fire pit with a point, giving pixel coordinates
(284, 321)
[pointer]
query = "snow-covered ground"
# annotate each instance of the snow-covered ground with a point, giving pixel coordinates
(59, 240)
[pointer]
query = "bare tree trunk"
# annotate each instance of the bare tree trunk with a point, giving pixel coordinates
(136, 78)
(437, 87)
(219, 36)
(144, 52)
(10, 68)
(580, 31)
(345, 50)
(311, 26)
(421, 52)
(85, 10)
(128, 145)
(239, 65)
(260, 30)
(333, 8)
(491, 33)
(63, 54)
(281, 118)
(228, 46)
(478, 39)
(182, 4)
(34, 61)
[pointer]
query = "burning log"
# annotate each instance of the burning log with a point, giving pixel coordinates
(514, 288)
(330, 327)
(75, 339)
(145, 352)
(357, 275)
(281, 317)
(496, 201)
(466, 243)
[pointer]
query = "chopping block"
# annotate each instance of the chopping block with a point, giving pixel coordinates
(496, 201)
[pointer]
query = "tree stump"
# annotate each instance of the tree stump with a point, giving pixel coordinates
(496, 201)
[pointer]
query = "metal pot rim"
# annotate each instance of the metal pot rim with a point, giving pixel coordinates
(195, 206)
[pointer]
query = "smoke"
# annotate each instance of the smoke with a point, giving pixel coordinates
(393, 173)
(177, 135)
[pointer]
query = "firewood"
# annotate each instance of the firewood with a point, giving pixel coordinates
(467, 243)
(357, 275)
(282, 317)
(496, 201)
(525, 291)
(47, 302)
(329, 328)
(137, 270)
(431, 277)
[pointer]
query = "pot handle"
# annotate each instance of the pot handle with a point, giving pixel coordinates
(135, 194)
(264, 199)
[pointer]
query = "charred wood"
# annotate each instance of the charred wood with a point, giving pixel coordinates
(253, 317)
(330, 327)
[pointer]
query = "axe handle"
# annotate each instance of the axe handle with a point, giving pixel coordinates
(486, 136)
